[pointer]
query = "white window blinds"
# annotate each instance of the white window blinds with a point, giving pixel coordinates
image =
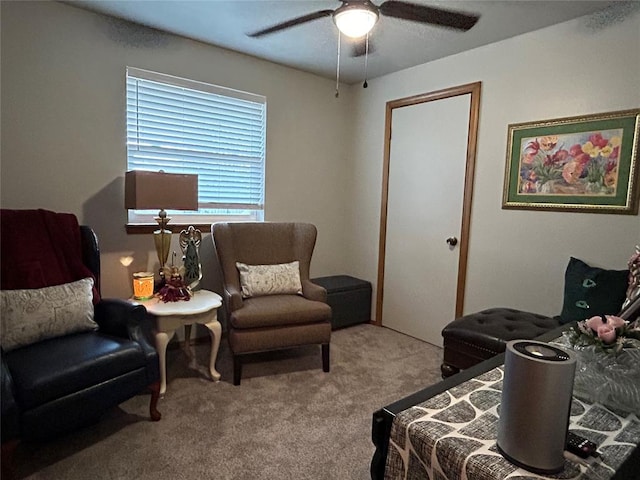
(183, 126)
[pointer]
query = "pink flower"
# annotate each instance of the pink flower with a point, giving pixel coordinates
(572, 171)
(614, 153)
(598, 141)
(615, 322)
(583, 159)
(532, 147)
(607, 333)
(530, 151)
(576, 150)
(594, 323)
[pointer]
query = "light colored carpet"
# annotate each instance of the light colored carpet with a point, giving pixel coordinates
(287, 420)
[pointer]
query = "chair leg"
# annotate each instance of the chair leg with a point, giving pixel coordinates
(153, 404)
(448, 370)
(325, 357)
(237, 369)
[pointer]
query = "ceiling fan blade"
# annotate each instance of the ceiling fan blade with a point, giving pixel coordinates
(424, 14)
(359, 47)
(292, 23)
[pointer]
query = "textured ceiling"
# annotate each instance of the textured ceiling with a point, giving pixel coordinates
(312, 47)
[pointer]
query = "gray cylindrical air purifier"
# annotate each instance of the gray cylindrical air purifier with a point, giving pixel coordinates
(536, 401)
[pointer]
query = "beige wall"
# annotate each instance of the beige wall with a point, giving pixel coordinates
(516, 258)
(63, 128)
(63, 140)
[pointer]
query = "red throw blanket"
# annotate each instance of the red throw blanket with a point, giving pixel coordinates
(40, 249)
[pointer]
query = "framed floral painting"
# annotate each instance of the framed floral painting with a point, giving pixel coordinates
(582, 164)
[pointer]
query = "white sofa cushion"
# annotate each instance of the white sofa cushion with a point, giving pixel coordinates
(33, 315)
(279, 279)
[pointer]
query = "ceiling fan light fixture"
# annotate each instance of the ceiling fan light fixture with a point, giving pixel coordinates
(355, 20)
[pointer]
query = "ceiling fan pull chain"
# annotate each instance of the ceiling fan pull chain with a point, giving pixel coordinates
(338, 69)
(366, 61)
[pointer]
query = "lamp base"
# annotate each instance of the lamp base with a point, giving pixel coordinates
(162, 240)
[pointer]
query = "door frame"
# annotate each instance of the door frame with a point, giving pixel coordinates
(474, 89)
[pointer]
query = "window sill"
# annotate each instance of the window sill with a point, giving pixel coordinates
(145, 228)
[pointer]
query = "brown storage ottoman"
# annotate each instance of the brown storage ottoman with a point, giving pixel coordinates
(349, 299)
(475, 337)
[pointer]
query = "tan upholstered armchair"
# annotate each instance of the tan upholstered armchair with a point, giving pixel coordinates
(263, 312)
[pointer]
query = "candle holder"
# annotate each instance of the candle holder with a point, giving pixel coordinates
(143, 285)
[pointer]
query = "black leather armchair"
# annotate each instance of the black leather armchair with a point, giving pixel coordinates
(57, 385)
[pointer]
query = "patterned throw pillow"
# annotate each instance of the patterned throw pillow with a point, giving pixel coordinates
(633, 290)
(591, 291)
(283, 278)
(30, 316)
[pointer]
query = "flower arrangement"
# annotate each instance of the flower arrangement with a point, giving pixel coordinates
(607, 332)
(587, 165)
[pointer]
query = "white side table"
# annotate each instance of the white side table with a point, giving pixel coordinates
(201, 308)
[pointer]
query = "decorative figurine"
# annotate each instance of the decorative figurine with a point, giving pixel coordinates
(189, 242)
(174, 288)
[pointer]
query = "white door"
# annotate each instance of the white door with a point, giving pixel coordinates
(426, 178)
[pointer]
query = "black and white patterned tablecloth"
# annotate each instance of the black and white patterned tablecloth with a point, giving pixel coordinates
(452, 436)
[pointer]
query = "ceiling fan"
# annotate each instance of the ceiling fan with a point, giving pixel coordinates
(356, 18)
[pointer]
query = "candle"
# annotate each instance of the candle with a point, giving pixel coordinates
(143, 285)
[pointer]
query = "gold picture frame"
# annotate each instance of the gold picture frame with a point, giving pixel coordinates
(586, 163)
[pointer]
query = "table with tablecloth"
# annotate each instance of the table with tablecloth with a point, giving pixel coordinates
(453, 435)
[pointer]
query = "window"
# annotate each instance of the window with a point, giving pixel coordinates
(184, 126)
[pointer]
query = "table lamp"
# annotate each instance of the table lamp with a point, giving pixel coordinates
(150, 190)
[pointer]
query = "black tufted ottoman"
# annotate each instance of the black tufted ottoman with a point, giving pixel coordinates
(473, 338)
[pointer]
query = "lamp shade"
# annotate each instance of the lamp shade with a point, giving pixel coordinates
(159, 190)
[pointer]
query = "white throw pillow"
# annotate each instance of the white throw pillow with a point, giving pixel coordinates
(283, 278)
(30, 316)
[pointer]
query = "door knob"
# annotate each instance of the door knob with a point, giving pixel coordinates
(453, 241)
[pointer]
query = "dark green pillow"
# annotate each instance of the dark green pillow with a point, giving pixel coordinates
(590, 291)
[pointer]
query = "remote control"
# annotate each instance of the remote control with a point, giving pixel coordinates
(580, 446)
